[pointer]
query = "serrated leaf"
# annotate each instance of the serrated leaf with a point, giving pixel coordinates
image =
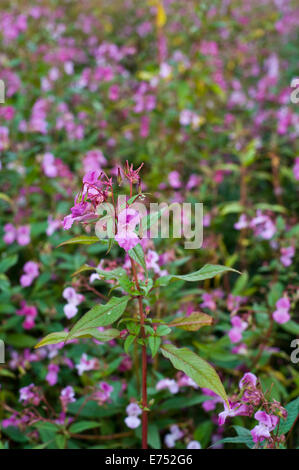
(193, 322)
(206, 272)
(293, 412)
(100, 315)
(52, 338)
(195, 367)
(105, 335)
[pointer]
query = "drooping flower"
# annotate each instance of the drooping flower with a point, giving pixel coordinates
(287, 253)
(52, 375)
(126, 236)
(30, 395)
(86, 364)
(193, 445)
(168, 383)
(31, 271)
(235, 409)
(267, 423)
(281, 314)
(132, 420)
(239, 325)
(74, 299)
(174, 435)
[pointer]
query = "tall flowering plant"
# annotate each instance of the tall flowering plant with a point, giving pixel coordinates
(134, 312)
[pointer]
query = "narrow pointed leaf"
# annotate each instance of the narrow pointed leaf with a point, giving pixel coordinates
(192, 323)
(52, 338)
(206, 272)
(82, 240)
(100, 315)
(195, 367)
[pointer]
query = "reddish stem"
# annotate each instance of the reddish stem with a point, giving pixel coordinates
(144, 417)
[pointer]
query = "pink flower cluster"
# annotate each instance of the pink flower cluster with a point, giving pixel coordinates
(21, 234)
(262, 225)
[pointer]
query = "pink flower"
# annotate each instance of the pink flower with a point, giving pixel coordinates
(267, 423)
(31, 272)
(193, 445)
(23, 235)
(174, 179)
(132, 422)
(281, 314)
(30, 313)
(236, 409)
(133, 409)
(86, 364)
(67, 396)
(74, 299)
(248, 379)
(29, 395)
(263, 226)
(208, 301)
(4, 140)
(287, 254)
(242, 222)
(10, 234)
(52, 375)
(49, 166)
(168, 383)
(103, 393)
(53, 225)
(174, 435)
(126, 236)
(235, 334)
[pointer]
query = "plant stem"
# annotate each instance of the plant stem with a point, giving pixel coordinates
(144, 417)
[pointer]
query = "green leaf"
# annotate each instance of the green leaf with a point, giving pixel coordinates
(100, 315)
(163, 330)
(206, 272)
(83, 268)
(240, 284)
(137, 255)
(7, 263)
(52, 338)
(106, 335)
(192, 323)
(293, 412)
(154, 344)
(198, 369)
(128, 342)
(82, 240)
(243, 437)
(83, 426)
